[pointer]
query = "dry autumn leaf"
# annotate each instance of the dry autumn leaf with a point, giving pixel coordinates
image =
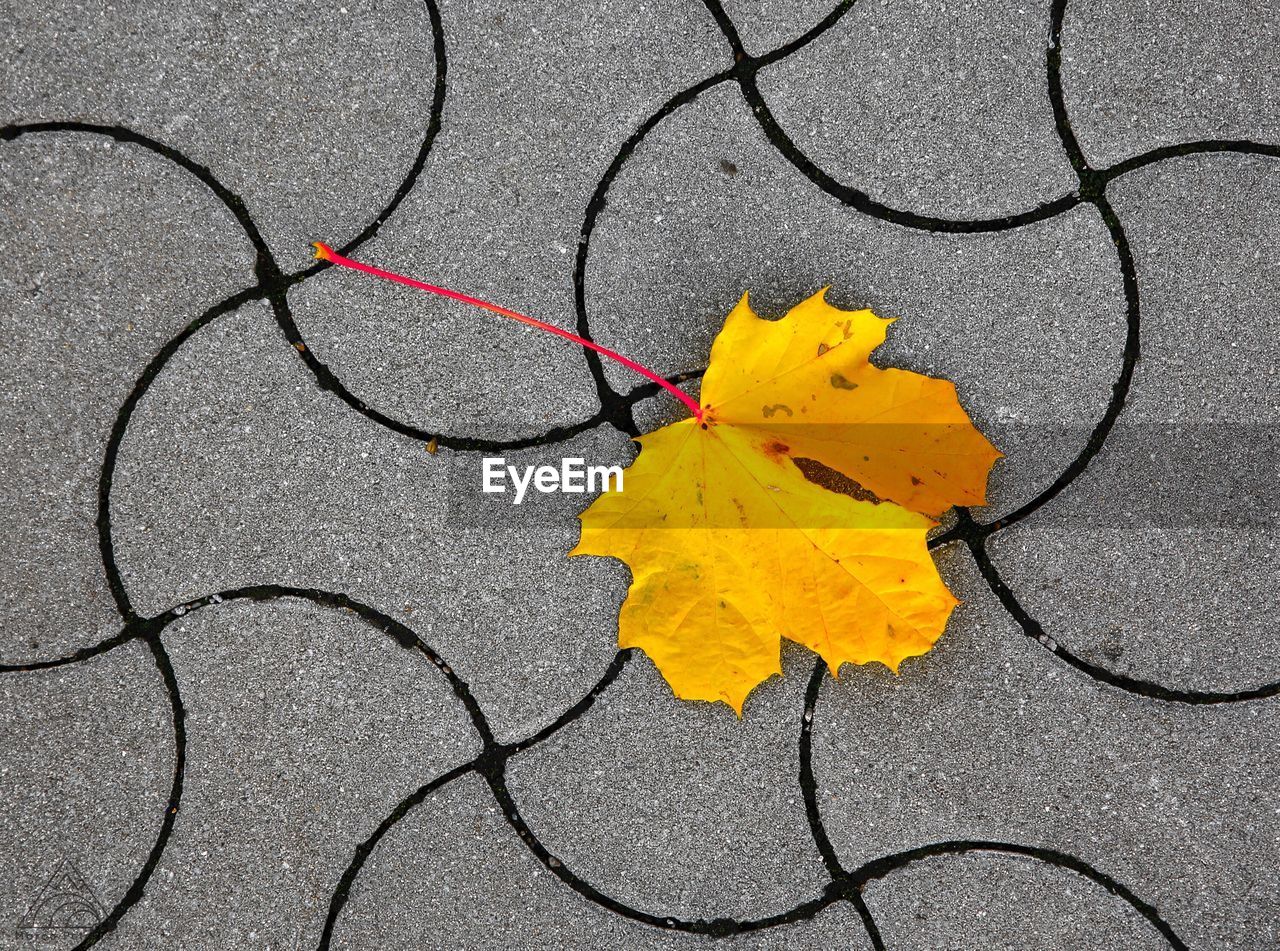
(731, 547)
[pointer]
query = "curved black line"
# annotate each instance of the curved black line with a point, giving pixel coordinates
(407, 184)
(491, 760)
(861, 201)
(715, 927)
(328, 381)
(1053, 76)
(745, 74)
(406, 637)
(401, 633)
(264, 268)
(727, 27)
(1182, 149)
(1092, 189)
(840, 886)
(584, 704)
(1032, 629)
(151, 630)
(610, 410)
(1097, 438)
(342, 891)
(613, 406)
(130, 632)
(808, 783)
(110, 456)
(139, 885)
(106, 478)
(868, 922)
(1119, 389)
(804, 39)
(236, 204)
(233, 202)
(609, 398)
(880, 867)
(646, 390)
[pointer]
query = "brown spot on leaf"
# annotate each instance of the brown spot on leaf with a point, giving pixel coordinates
(915, 481)
(822, 348)
(830, 479)
(776, 448)
(769, 411)
(841, 382)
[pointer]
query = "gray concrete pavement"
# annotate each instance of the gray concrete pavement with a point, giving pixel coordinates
(276, 675)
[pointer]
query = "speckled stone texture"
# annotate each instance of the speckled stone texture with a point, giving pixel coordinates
(274, 673)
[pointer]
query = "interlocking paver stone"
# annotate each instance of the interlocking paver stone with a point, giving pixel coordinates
(989, 737)
(313, 113)
(86, 768)
(453, 874)
(1159, 562)
(304, 727)
(292, 488)
(1004, 903)
(277, 494)
(692, 816)
(86, 223)
(1152, 73)
(934, 108)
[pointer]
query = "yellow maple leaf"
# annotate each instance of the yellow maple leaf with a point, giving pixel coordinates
(731, 547)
